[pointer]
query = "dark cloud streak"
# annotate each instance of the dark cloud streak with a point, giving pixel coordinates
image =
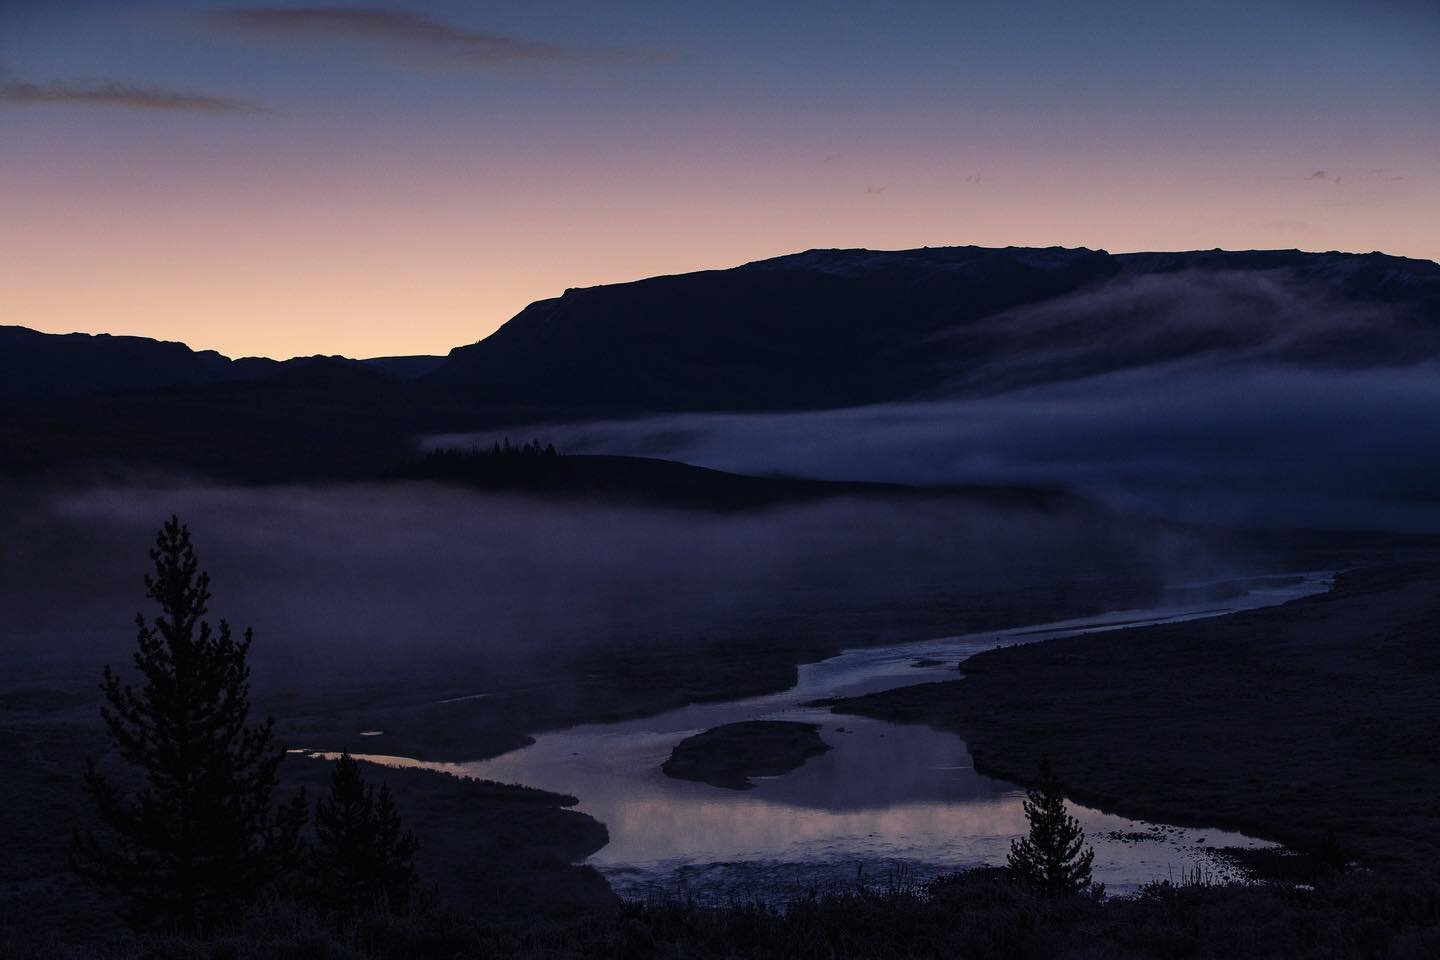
(123, 95)
(434, 40)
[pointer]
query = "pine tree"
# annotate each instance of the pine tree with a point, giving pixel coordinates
(394, 851)
(344, 836)
(362, 856)
(198, 836)
(1051, 858)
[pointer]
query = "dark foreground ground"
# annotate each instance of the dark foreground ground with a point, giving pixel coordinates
(981, 915)
(487, 850)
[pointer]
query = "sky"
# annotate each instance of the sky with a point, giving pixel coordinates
(285, 179)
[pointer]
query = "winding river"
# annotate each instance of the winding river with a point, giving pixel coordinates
(888, 801)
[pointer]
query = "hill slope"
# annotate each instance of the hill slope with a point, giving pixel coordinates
(48, 365)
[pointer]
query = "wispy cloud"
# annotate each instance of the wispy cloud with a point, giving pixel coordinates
(125, 95)
(411, 33)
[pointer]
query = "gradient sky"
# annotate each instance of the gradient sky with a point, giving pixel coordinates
(282, 179)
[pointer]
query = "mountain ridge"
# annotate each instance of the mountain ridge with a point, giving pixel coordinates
(840, 327)
(808, 331)
(57, 365)
(834, 327)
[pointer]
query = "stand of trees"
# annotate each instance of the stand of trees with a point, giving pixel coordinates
(362, 854)
(502, 465)
(193, 833)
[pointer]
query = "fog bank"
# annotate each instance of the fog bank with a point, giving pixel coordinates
(349, 580)
(1267, 445)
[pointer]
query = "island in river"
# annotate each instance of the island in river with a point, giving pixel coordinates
(729, 755)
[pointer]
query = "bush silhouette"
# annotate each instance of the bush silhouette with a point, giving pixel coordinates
(1053, 858)
(198, 837)
(362, 854)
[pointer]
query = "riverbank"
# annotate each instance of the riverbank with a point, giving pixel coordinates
(458, 710)
(1299, 723)
(434, 714)
(489, 850)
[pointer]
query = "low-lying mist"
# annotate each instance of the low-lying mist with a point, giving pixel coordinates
(388, 581)
(1242, 444)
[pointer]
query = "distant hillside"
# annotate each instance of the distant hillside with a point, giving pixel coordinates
(831, 328)
(814, 330)
(837, 328)
(79, 364)
(34, 364)
(405, 368)
(666, 483)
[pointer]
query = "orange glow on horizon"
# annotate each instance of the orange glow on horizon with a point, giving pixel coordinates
(372, 261)
(317, 185)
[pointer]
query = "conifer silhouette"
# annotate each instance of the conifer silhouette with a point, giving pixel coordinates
(362, 855)
(1053, 858)
(197, 836)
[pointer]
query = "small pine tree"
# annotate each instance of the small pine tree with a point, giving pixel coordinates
(199, 837)
(343, 828)
(362, 855)
(394, 852)
(1053, 858)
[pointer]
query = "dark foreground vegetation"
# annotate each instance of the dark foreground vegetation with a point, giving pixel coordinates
(985, 915)
(192, 822)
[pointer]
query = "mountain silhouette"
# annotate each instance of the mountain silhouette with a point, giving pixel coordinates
(831, 328)
(813, 330)
(34, 364)
(810, 330)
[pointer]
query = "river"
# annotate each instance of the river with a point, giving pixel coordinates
(887, 802)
